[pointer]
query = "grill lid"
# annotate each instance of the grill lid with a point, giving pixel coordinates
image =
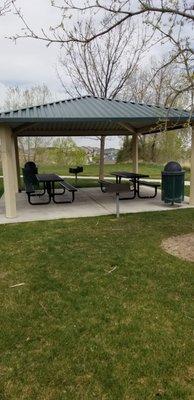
(76, 170)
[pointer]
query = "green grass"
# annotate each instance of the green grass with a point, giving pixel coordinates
(104, 312)
(154, 170)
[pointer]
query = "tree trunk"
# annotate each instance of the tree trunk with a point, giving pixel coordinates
(28, 139)
(153, 149)
(101, 165)
(22, 150)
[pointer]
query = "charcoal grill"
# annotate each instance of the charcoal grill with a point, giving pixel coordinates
(76, 170)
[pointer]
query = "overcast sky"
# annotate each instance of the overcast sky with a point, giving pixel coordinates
(29, 62)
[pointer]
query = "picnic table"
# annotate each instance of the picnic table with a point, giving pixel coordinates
(49, 181)
(137, 181)
(131, 176)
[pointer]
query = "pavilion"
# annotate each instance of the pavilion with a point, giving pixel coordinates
(83, 116)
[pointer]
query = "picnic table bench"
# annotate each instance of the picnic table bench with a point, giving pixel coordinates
(136, 180)
(154, 185)
(70, 188)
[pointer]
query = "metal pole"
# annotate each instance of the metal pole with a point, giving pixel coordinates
(117, 204)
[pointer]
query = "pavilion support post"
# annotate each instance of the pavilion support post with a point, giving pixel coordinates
(9, 177)
(14, 173)
(19, 183)
(135, 152)
(101, 165)
(192, 169)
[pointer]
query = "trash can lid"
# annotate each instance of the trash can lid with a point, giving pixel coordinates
(172, 166)
(30, 164)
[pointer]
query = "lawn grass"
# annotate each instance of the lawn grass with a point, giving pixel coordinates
(154, 170)
(151, 169)
(104, 313)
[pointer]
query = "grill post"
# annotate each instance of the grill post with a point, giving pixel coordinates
(117, 204)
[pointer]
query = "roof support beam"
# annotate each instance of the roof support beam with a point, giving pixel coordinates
(128, 127)
(71, 133)
(23, 127)
(151, 130)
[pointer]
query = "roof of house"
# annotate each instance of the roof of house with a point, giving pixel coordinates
(92, 116)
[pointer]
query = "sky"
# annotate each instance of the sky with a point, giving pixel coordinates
(30, 62)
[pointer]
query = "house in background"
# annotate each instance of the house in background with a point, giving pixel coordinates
(93, 154)
(110, 155)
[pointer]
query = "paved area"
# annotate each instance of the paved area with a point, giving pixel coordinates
(88, 202)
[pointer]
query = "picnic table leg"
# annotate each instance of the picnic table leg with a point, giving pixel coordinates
(49, 189)
(136, 187)
(117, 204)
(134, 190)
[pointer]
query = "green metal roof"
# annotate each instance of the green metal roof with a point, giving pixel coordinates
(91, 116)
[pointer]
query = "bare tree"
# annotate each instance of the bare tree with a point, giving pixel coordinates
(161, 87)
(102, 68)
(109, 14)
(171, 23)
(16, 97)
(5, 6)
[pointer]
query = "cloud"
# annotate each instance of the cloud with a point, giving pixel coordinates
(28, 62)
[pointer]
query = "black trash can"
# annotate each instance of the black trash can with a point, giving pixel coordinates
(29, 176)
(173, 183)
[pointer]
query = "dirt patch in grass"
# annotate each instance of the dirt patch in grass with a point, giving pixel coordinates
(180, 246)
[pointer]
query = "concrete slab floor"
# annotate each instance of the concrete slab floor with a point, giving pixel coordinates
(89, 202)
